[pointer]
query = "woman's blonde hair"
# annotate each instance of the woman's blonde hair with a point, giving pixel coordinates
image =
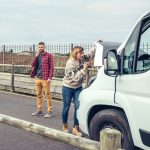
(76, 50)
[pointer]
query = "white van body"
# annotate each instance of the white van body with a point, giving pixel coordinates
(126, 94)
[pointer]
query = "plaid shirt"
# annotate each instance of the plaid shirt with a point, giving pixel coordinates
(47, 66)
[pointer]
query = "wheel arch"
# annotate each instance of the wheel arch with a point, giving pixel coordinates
(120, 121)
(98, 108)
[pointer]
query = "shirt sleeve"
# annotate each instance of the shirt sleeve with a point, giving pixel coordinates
(51, 66)
(33, 67)
(33, 64)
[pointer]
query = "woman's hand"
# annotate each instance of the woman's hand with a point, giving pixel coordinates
(85, 66)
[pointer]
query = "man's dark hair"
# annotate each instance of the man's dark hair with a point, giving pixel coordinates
(41, 43)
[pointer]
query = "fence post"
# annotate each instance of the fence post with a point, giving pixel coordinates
(71, 46)
(110, 139)
(87, 78)
(12, 78)
(4, 54)
(3, 57)
(34, 49)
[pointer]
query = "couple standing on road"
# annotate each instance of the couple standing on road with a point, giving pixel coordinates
(75, 72)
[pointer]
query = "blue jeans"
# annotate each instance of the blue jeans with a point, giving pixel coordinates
(68, 94)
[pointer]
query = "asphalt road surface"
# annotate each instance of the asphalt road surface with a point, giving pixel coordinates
(12, 138)
(21, 107)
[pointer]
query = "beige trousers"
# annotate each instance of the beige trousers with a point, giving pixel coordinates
(42, 85)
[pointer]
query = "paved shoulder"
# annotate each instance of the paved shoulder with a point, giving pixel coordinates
(21, 107)
(27, 140)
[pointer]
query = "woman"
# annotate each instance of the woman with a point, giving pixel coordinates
(72, 86)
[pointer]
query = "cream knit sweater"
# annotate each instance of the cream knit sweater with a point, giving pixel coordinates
(74, 76)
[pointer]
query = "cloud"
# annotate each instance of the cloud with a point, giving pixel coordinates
(118, 6)
(68, 20)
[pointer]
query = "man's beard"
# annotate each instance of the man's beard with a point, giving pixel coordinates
(41, 51)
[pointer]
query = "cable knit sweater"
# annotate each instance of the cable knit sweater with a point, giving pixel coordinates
(74, 76)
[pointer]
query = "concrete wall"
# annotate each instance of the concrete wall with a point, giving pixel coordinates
(25, 84)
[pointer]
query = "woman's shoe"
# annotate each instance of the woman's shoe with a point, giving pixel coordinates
(76, 131)
(65, 128)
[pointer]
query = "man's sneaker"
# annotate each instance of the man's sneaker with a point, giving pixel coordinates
(65, 128)
(48, 115)
(37, 113)
(76, 131)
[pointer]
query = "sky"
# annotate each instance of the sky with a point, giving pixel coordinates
(68, 21)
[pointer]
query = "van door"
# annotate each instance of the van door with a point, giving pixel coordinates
(133, 85)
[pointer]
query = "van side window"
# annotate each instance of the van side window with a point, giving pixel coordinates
(143, 60)
(129, 51)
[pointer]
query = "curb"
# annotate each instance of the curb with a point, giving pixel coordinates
(68, 138)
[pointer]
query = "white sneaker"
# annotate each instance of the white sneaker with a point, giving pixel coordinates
(48, 115)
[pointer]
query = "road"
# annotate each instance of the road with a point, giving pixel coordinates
(16, 139)
(21, 107)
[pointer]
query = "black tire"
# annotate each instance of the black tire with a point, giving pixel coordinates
(110, 118)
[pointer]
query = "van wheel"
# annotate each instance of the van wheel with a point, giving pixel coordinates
(114, 119)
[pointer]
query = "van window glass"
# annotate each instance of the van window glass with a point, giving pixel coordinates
(143, 60)
(129, 52)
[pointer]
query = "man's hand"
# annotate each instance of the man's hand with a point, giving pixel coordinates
(48, 80)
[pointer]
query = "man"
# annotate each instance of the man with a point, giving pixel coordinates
(42, 69)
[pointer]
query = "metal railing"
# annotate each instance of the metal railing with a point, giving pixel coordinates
(23, 54)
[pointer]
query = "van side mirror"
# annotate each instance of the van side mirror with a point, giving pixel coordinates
(111, 63)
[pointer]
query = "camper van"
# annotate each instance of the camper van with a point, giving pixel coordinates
(119, 97)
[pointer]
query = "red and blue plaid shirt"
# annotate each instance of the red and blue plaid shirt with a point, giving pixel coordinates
(47, 66)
